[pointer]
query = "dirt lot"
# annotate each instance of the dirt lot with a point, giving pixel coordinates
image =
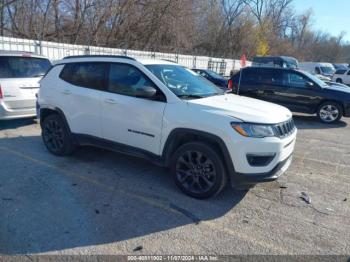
(99, 202)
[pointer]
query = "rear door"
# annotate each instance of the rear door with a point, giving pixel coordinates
(19, 80)
(79, 95)
(291, 90)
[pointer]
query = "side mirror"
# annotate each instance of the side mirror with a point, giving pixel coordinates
(309, 84)
(146, 92)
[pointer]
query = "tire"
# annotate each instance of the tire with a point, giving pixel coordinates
(56, 136)
(198, 170)
(330, 112)
(339, 80)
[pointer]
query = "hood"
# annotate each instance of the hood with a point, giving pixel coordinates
(338, 87)
(243, 108)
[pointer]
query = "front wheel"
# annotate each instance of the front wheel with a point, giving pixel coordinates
(330, 112)
(198, 170)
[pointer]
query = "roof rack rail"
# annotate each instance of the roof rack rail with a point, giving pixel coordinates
(106, 56)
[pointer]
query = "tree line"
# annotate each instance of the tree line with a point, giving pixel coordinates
(218, 28)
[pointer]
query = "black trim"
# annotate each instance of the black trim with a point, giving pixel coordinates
(101, 56)
(56, 110)
(242, 180)
(179, 133)
(160, 97)
(140, 133)
(87, 140)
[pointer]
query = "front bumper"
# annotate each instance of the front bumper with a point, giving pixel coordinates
(244, 180)
(242, 173)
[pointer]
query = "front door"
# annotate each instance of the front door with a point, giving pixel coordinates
(127, 119)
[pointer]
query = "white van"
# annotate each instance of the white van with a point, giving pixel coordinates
(20, 73)
(324, 71)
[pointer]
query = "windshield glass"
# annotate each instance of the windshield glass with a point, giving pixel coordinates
(315, 79)
(184, 82)
(327, 70)
(214, 74)
(23, 67)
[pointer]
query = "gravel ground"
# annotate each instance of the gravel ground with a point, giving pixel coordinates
(100, 202)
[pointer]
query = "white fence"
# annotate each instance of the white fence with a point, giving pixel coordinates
(56, 51)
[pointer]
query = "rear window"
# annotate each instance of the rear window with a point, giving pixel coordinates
(249, 75)
(340, 72)
(23, 67)
(89, 75)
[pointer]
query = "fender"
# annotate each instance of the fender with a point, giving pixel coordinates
(175, 136)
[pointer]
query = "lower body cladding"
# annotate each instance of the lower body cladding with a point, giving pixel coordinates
(260, 160)
(7, 112)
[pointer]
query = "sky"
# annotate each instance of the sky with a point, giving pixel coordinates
(332, 16)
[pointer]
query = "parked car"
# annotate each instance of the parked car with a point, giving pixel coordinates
(324, 71)
(19, 82)
(169, 115)
(276, 61)
(297, 90)
(213, 77)
(342, 76)
(341, 66)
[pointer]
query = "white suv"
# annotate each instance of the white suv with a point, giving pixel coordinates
(342, 76)
(168, 114)
(20, 73)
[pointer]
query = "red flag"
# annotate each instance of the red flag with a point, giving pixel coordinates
(243, 61)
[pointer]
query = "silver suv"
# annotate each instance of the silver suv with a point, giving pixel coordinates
(20, 74)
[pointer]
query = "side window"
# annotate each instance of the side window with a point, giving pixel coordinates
(270, 77)
(295, 80)
(89, 75)
(340, 72)
(203, 74)
(249, 75)
(317, 70)
(125, 79)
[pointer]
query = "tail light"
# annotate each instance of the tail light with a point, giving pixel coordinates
(1, 95)
(230, 84)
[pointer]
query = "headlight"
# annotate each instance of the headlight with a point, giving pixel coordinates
(253, 130)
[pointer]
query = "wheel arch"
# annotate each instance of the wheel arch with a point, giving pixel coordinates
(47, 111)
(181, 136)
(333, 101)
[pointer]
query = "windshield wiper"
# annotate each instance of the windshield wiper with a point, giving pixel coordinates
(190, 96)
(39, 75)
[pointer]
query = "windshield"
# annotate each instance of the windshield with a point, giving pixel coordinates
(23, 67)
(327, 70)
(184, 82)
(214, 74)
(315, 79)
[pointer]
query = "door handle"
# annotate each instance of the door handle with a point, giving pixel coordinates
(66, 92)
(110, 101)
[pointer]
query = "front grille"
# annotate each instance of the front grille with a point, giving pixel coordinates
(284, 129)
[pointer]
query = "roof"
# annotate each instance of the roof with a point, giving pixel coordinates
(110, 58)
(20, 54)
(155, 62)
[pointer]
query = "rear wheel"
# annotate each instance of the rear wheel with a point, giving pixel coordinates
(339, 80)
(56, 136)
(198, 170)
(330, 112)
